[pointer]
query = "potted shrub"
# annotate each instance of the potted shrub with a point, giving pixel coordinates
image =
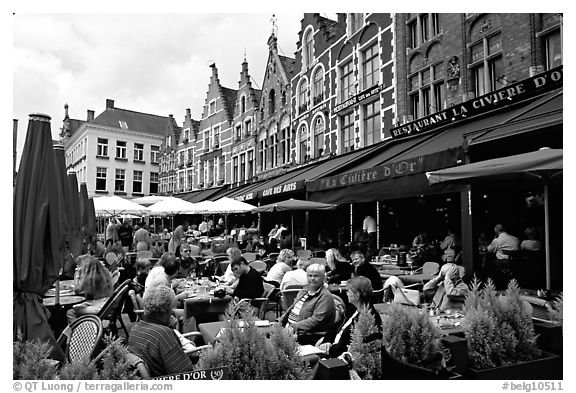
(501, 338)
(550, 332)
(367, 360)
(251, 354)
(30, 359)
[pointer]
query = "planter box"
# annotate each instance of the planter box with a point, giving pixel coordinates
(549, 336)
(548, 366)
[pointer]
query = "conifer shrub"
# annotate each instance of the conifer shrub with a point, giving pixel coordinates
(556, 311)
(30, 359)
(367, 359)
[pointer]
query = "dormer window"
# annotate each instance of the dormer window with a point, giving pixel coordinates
(123, 124)
(272, 102)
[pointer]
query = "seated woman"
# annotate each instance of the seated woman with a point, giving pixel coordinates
(359, 291)
(97, 284)
(282, 266)
(153, 340)
(447, 288)
(313, 309)
(339, 268)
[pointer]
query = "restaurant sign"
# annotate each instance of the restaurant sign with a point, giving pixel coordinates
(217, 373)
(282, 188)
(391, 170)
(245, 197)
(357, 98)
(499, 98)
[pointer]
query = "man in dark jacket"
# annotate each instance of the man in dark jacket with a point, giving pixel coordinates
(250, 283)
(362, 268)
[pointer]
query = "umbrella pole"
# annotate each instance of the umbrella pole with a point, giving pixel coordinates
(292, 228)
(547, 235)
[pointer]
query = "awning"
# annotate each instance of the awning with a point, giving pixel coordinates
(545, 112)
(200, 195)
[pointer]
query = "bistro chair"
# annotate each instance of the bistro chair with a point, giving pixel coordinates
(259, 266)
(306, 254)
(339, 318)
(321, 261)
(81, 338)
(430, 268)
(137, 303)
(249, 256)
(272, 294)
(288, 295)
(111, 312)
(318, 254)
(273, 256)
(222, 266)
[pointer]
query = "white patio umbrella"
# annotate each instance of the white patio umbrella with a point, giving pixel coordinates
(227, 206)
(172, 206)
(149, 200)
(115, 205)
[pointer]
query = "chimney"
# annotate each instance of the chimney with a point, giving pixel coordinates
(90, 115)
(188, 116)
(109, 103)
(65, 110)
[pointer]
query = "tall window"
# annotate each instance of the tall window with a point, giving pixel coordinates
(242, 167)
(303, 143)
(206, 140)
(347, 122)
(262, 153)
(250, 164)
(318, 86)
(243, 104)
(424, 28)
(346, 81)
(308, 48)
(153, 182)
(427, 90)
(238, 132)
(371, 123)
(318, 136)
(274, 150)
(553, 48)
(182, 159)
(302, 93)
(100, 179)
(212, 108)
(413, 34)
(487, 65)
(154, 154)
(435, 24)
(137, 182)
(190, 179)
(234, 169)
(370, 67)
(119, 180)
(102, 148)
(216, 131)
(121, 149)
(272, 102)
(248, 127)
(138, 152)
(285, 145)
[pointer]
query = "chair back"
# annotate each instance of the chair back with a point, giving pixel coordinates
(340, 311)
(273, 256)
(288, 296)
(111, 311)
(111, 257)
(249, 256)
(321, 261)
(304, 254)
(137, 304)
(222, 266)
(144, 254)
(80, 339)
(259, 266)
(430, 268)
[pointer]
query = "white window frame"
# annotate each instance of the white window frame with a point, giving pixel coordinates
(102, 148)
(99, 172)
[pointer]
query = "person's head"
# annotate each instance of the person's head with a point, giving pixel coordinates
(333, 256)
(170, 263)
(109, 243)
(359, 290)
(143, 265)
(316, 274)
(499, 228)
(239, 267)
(158, 302)
(276, 226)
(97, 281)
(450, 271)
(530, 233)
(286, 256)
(234, 254)
(302, 263)
(357, 258)
(185, 225)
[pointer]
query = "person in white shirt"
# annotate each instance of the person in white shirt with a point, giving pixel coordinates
(296, 277)
(503, 242)
(369, 227)
(278, 235)
(282, 266)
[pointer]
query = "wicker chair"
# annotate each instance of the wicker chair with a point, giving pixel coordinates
(81, 338)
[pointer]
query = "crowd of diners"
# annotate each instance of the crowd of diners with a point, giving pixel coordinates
(316, 316)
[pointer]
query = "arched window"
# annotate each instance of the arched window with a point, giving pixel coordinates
(272, 102)
(243, 104)
(318, 136)
(302, 92)
(303, 143)
(318, 86)
(308, 48)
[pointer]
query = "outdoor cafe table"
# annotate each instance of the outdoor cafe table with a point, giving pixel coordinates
(203, 307)
(210, 330)
(64, 300)
(404, 273)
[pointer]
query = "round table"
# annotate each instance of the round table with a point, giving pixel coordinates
(64, 300)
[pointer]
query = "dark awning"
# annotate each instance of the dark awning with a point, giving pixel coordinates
(545, 112)
(200, 195)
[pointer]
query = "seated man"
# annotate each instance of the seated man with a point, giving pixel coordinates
(153, 340)
(250, 284)
(313, 310)
(363, 268)
(447, 288)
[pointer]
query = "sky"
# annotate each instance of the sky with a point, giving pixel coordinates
(153, 63)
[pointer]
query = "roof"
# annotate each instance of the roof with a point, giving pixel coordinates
(74, 124)
(330, 25)
(136, 121)
(288, 64)
(257, 95)
(229, 96)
